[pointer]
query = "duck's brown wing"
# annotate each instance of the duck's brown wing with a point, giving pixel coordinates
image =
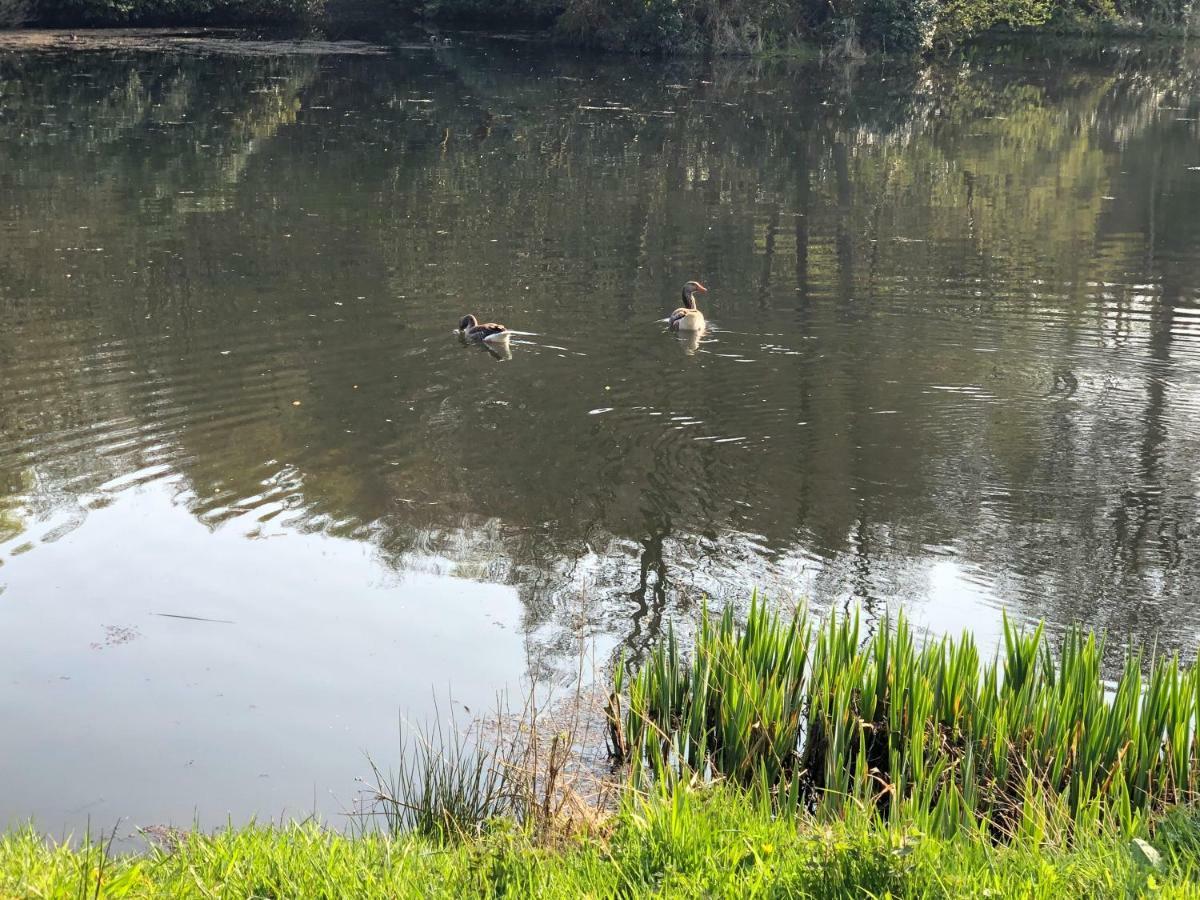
(488, 329)
(680, 313)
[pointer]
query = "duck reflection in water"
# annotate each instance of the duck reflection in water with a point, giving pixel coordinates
(689, 341)
(499, 351)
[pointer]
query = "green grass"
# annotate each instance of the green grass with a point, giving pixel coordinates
(715, 842)
(1032, 742)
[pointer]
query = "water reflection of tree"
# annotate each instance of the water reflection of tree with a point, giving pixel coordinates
(713, 172)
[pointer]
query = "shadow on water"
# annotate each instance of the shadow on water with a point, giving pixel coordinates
(954, 359)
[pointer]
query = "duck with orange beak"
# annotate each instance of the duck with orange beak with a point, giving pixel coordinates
(688, 317)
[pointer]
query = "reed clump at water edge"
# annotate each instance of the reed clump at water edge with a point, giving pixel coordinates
(819, 718)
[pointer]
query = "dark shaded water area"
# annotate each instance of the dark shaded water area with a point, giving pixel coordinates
(256, 498)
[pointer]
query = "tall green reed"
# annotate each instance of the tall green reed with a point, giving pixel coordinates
(1033, 742)
(449, 783)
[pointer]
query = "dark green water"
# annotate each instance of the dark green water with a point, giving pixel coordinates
(953, 364)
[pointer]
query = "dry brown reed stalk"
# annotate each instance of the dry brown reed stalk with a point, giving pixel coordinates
(569, 780)
(537, 764)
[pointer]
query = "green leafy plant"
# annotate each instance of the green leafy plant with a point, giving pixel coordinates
(1031, 743)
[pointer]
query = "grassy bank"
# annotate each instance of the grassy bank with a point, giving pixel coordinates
(711, 843)
(777, 756)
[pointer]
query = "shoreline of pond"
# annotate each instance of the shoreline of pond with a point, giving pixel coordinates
(359, 36)
(464, 817)
(238, 40)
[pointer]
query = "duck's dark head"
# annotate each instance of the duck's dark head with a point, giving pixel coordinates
(468, 321)
(689, 293)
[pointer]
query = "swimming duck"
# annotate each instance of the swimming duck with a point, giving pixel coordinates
(688, 317)
(471, 330)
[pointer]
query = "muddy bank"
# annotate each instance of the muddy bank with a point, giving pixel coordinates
(194, 40)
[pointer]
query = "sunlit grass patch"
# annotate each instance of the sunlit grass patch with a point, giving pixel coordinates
(715, 841)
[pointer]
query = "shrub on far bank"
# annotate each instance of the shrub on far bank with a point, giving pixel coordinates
(688, 26)
(903, 26)
(756, 26)
(491, 13)
(667, 27)
(165, 12)
(14, 13)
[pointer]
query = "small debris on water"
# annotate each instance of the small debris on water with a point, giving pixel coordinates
(116, 635)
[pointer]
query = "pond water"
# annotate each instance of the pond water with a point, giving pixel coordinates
(257, 501)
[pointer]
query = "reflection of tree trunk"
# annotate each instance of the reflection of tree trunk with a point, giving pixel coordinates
(803, 203)
(861, 591)
(873, 236)
(651, 598)
(844, 239)
(640, 226)
(1162, 320)
(969, 181)
(1152, 206)
(803, 309)
(1154, 436)
(764, 282)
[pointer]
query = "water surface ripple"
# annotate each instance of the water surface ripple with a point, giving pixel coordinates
(953, 363)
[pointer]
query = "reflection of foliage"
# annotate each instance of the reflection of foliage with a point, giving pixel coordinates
(176, 103)
(12, 522)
